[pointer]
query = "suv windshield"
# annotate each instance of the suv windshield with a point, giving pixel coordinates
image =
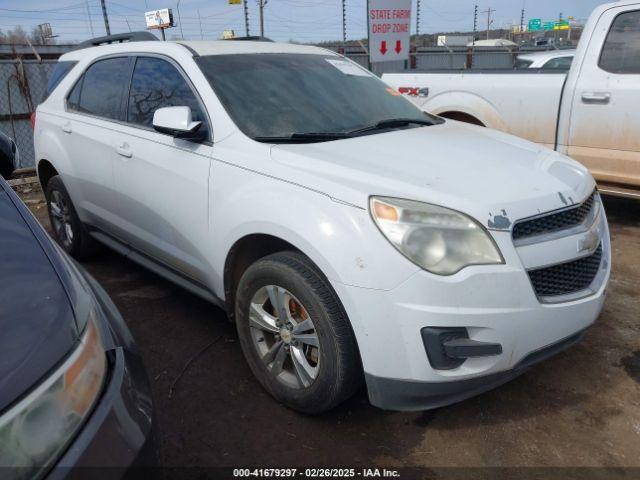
(306, 97)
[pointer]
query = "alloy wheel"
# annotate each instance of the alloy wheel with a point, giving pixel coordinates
(284, 336)
(61, 218)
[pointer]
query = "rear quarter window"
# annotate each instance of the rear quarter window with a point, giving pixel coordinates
(59, 72)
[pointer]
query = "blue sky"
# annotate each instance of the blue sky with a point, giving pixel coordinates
(299, 20)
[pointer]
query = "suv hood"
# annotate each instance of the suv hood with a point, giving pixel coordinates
(37, 322)
(494, 177)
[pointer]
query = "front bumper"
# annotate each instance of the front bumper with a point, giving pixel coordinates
(393, 394)
(118, 434)
(494, 304)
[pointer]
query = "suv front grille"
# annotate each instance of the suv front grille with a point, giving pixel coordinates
(566, 278)
(554, 222)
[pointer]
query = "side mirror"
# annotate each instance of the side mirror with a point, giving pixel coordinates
(8, 155)
(177, 122)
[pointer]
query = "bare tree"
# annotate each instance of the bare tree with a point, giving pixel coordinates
(19, 36)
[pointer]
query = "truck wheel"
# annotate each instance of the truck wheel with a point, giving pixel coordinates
(68, 230)
(295, 335)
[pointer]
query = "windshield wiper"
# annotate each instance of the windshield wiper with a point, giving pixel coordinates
(305, 137)
(392, 123)
(310, 137)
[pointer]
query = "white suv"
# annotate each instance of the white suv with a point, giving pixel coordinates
(349, 235)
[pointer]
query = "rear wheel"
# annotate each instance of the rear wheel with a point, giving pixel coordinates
(295, 335)
(67, 228)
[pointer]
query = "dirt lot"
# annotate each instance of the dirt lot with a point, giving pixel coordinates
(581, 408)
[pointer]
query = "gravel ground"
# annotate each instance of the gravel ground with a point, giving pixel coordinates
(579, 409)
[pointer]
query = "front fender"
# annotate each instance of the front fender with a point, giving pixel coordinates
(340, 239)
(465, 102)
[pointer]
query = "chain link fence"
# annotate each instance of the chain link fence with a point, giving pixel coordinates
(23, 84)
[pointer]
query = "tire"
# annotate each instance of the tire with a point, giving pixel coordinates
(306, 382)
(68, 230)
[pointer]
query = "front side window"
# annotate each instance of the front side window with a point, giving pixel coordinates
(621, 51)
(156, 84)
(273, 96)
(100, 90)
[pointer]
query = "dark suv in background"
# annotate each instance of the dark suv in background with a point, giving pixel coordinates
(73, 390)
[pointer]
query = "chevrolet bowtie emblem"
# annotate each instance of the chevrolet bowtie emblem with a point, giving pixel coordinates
(589, 242)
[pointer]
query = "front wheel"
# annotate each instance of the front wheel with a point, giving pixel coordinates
(295, 334)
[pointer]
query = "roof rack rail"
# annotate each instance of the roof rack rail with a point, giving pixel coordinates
(255, 38)
(118, 38)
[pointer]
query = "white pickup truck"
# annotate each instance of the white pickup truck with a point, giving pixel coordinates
(591, 113)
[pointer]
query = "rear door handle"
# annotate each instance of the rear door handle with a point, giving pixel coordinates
(124, 150)
(66, 128)
(596, 97)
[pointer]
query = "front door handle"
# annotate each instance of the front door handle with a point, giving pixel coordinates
(124, 150)
(66, 128)
(596, 97)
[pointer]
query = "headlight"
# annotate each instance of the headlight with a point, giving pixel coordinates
(440, 240)
(34, 432)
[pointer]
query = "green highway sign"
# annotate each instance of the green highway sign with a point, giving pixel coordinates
(548, 25)
(535, 24)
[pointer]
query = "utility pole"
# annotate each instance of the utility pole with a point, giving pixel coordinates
(488, 11)
(418, 18)
(344, 26)
(179, 20)
(200, 22)
(262, 3)
(106, 18)
(475, 23)
(522, 21)
(246, 17)
(89, 17)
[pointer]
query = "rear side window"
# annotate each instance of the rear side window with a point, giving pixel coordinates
(156, 83)
(521, 64)
(621, 51)
(560, 63)
(101, 89)
(59, 72)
